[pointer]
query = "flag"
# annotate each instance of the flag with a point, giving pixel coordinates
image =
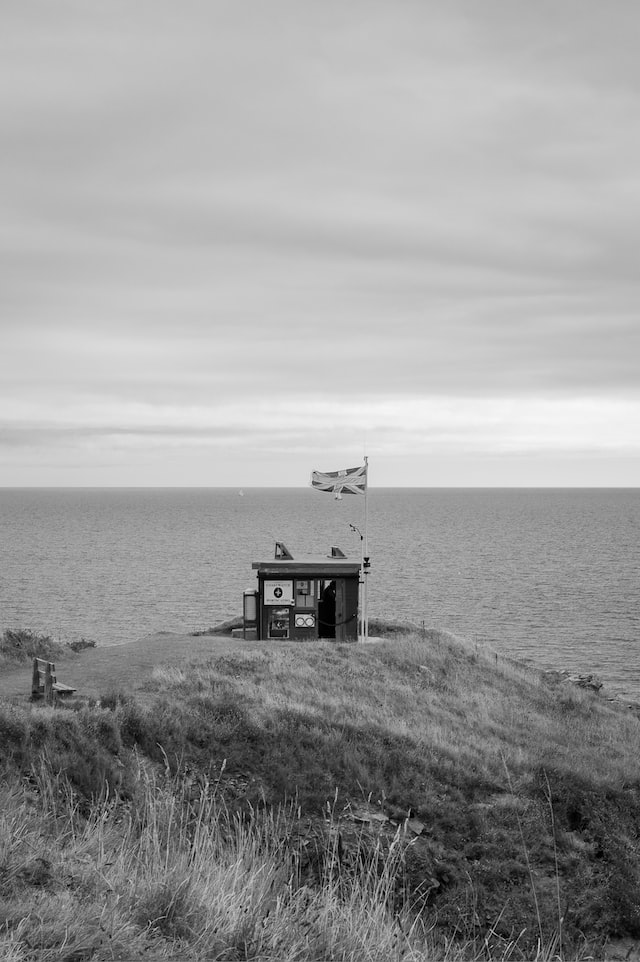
(349, 481)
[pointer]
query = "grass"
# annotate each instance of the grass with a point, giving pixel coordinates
(19, 645)
(176, 876)
(209, 814)
(173, 875)
(22, 644)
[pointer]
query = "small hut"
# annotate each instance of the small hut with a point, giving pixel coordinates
(315, 596)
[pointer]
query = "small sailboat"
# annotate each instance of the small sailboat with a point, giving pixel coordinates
(241, 493)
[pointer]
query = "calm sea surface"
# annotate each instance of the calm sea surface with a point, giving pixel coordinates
(546, 575)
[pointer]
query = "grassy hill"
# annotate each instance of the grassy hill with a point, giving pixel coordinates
(414, 798)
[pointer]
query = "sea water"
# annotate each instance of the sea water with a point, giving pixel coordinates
(548, 575)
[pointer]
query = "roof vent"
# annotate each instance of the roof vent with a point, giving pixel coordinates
(282, 551)
(336, 552)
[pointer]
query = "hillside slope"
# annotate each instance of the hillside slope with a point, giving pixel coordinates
(507, 799)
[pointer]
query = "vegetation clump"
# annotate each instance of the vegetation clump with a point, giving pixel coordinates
(22, 644)
(416, 798)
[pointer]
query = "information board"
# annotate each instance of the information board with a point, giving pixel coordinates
(278, 592)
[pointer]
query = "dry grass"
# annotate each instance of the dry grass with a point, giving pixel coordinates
(173, 876)
(527, 790)
(438, 691)
(18, 646)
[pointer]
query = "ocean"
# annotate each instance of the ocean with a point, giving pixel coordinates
(546, 575)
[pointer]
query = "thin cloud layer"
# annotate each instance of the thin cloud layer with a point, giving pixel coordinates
(302, 229)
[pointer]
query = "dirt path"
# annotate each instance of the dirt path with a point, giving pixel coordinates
(97, 670)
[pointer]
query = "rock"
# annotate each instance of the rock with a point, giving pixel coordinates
(582, 681)
(586, 681)
(391, 815)
(414, 825)
(367, 815)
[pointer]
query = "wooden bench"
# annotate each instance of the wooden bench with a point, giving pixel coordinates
(44, 683)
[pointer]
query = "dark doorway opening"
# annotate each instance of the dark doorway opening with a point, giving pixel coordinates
(327, 611)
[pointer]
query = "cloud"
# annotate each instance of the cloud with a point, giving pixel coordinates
(393, 208)
(429, 424)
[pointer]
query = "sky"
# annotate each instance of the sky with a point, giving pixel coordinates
(243, 240)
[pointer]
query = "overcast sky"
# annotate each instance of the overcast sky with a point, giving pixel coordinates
(242, 240)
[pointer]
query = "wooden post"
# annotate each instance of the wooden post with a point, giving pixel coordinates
(48, 683)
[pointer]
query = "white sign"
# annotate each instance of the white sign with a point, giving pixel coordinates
(305, 621)
(278, 592)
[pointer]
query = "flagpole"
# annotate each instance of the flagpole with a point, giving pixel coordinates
(351, 482)
(357, 531)
(365, 560)
(361, 626)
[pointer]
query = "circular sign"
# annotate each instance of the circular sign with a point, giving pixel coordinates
(305, 621)
(277, 592)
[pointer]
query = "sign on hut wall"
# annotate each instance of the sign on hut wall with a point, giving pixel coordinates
(278, 592)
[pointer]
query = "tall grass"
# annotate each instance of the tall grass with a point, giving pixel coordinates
(174, 874)
(155, 824)
(21, 644)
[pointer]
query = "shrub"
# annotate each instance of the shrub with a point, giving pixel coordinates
(21, 644)
(168, 906)
(80, 745)
(81, 645)
(13, 732)
(113, 697)
(100, 723)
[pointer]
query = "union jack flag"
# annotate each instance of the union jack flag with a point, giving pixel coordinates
(349, 481)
